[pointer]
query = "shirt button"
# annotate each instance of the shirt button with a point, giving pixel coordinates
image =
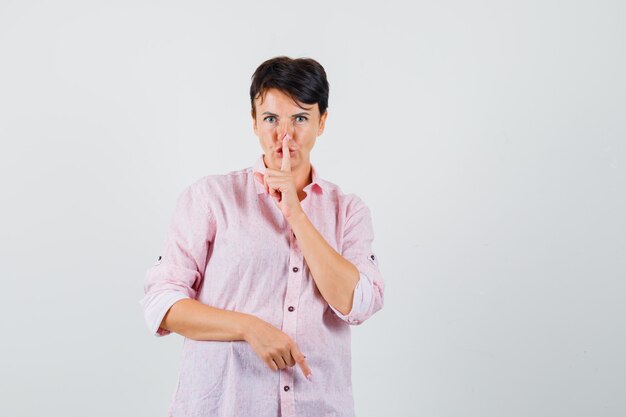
(372, 256)
(286, 388)
(290, 308)
(295, 269)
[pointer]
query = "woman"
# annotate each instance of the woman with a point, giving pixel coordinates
(264, 269)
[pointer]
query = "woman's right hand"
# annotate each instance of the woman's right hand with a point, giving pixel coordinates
(273, 346)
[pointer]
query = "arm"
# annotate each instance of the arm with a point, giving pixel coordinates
(198, 321)
(335, 276)
(192, 319)
(353, 296)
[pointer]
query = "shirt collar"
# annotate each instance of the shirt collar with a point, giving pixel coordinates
(259, 166)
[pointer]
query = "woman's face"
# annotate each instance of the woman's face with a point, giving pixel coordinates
(279, 114)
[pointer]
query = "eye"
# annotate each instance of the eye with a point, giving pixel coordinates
(302, 117)
(269, 117)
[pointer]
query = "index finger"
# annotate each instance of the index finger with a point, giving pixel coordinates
(286, 163)
(301, 361)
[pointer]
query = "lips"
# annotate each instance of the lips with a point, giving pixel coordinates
(279, 152)
(280, 149)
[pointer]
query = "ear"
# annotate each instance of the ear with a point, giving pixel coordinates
(322, 122)
(254, 126)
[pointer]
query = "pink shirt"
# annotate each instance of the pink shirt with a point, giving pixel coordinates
(229, 246)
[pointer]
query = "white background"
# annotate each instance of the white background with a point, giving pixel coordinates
(488, 139)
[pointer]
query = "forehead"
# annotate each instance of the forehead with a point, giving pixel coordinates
(276, 100)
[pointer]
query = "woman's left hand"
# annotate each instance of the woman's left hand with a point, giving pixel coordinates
(280, 184)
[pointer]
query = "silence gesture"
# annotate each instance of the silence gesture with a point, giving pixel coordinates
(280, 184)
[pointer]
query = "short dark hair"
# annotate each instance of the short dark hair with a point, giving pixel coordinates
(302, 79)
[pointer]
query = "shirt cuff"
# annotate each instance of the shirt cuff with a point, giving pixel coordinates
(360, 302)
(155, 308)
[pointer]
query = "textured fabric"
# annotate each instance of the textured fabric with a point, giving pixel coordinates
(229, 246)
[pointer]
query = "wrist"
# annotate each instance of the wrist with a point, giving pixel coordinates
(296, 216)
(246, 325)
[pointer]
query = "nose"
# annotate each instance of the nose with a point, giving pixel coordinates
(285, 127)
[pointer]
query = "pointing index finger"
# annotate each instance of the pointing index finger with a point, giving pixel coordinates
(301, 361)
(286, 163)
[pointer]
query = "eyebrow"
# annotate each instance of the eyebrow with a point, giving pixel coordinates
(293, 115)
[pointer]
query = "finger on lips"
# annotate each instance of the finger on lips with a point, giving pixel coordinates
(286, 162)
(285, 167)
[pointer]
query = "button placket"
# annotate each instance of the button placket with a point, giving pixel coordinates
(290, 315)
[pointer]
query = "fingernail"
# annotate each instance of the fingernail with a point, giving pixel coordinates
(310, 377)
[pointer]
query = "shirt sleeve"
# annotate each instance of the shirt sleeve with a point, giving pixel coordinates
(357, 248)
(179, 270)
(361, 299)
